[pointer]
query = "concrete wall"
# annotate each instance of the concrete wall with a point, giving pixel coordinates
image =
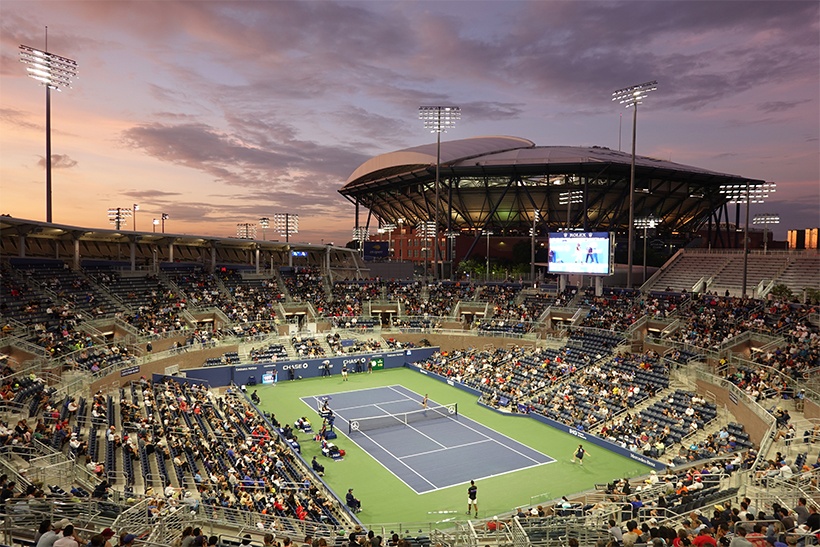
(452, 342)
(811, 410)
(185, 360)
(755, 426)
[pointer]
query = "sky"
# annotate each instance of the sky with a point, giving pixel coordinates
(221, 112)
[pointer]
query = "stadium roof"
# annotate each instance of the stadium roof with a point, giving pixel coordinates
(498, 181)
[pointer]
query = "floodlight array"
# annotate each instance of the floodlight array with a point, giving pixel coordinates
(361, 233)
(634, 95)
(51, 70)
(286, 223)
(117, 215)
(754, 193)
(427, 229)
(646, 222)
(573, 196)
(766, 218)
(246, 230)
(438, 119)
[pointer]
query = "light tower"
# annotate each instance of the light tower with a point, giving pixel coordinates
(286, 224)
(568, 198)
(632, 97)
(747, 194)
(246, 230)
(54, 72)
(264, 222)
(646, 223)
(118, 215)
(438, 119)
(766, 219)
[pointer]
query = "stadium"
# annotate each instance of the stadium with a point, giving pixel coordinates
(259, 390)
(510, 186)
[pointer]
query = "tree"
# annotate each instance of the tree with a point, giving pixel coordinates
(781, 292)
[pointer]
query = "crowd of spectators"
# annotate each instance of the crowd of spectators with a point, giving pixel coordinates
(713, 320)
(307, 347)
(307, 285)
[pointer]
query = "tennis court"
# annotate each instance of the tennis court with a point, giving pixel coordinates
(427, 449)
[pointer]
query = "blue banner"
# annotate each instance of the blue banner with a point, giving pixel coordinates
(376, 249)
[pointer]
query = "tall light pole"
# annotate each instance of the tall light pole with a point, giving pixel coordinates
(451, 238)
(632, 97)
(766, 219)
(360, 234)
(135, 209)
(164, 217)
(746, 194)
(388, 229)
(427, 230)
(645, 223)
(535, 214)
(118, 215)
(568, 198)
(54, 72)
(286, 224)
(438, 119)
(264, 222)
(487, 274)
(401, 233)
(154, 224)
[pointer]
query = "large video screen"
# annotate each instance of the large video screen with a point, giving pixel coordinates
(588, 253)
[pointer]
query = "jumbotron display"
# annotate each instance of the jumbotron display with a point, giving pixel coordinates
(587, 253)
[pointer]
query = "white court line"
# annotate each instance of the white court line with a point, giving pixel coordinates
(481, 433)
(435, 488)
(445, 448)
(417, 431)
(379, 461)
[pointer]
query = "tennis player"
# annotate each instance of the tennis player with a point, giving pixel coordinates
(344, 373)
(472, 501)
(580, 452)
(424, 401)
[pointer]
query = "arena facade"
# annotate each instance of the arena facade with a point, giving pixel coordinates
(103, 332)
(497, 183)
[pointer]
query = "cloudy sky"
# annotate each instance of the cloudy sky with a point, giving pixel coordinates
(220, 112)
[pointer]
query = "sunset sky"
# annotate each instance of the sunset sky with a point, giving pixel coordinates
(221, 112)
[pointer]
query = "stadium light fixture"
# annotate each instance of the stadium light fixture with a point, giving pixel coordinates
(154, 224)
(55, 73)
(164, 217)
(427, 231)
(568, 198)
(286, 224)
(264, 222)
(135, 208)
(535, 218)
(360, 234)
(118, 215)
(438, 119)
(388, 229)
(246, 230)
(747, 194)
(631, 97)
(487, 273)
(400, 221)
(646, 223)
(766, 219)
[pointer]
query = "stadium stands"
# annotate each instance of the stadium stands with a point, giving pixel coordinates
(145, 439)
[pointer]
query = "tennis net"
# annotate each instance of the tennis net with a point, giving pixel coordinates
(403, 418)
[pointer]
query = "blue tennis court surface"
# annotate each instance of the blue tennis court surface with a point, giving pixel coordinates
(440, 451)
